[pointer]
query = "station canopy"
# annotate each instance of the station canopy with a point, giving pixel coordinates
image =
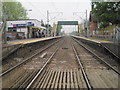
(67, 22)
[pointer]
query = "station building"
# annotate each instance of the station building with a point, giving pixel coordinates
(24, 29)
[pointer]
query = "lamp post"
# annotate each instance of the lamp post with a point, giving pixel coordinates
(86, 22)
(47, 32)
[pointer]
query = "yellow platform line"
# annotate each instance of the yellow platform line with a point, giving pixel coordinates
(29, 41)
(102, 41)
(94, 40)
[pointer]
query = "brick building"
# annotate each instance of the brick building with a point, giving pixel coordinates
(93, 24)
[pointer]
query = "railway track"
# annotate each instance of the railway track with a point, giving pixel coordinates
(82, 69)
(43, 67)
(99, 58)
(23, 52)
(17, 65)
(54, 77)
(68, 66)
(23, 69)
(100, 73)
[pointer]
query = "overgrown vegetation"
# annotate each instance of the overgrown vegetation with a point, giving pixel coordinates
(107, 13)
(74, 33)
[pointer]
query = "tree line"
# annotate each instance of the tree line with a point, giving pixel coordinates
(106, 13)
(13, 10)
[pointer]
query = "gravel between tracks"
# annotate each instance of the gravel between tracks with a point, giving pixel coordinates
(64, 58)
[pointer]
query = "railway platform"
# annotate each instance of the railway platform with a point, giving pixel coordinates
(101, 45)
(26, 41)
(94, 40)
(12, 46)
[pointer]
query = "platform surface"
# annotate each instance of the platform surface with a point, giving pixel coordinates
(25, 41)
(94, 40)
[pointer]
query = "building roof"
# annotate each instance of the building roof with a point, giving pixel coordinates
(36, 22)
(24, 20)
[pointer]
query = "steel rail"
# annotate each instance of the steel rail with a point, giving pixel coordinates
(43, 67)
(98, 57)
(82, 69)
(17, 65)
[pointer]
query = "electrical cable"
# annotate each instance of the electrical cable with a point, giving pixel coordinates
(37, 9)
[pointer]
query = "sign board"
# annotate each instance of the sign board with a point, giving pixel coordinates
(21, 25)
(67, 22)
(29, 24)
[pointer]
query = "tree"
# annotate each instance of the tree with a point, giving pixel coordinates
(46, 25)
(107, 12)
(13, 11)
(74, 33)
(104, 24)
(59, 27)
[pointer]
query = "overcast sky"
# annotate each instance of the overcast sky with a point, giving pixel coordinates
(58, 10)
